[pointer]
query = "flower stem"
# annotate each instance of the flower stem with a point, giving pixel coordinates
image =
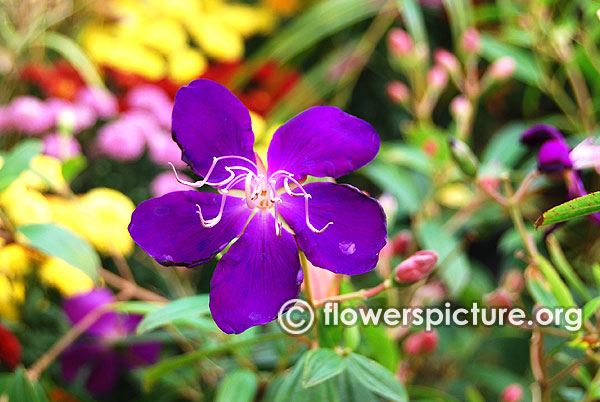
(517, 218)
(359, 294)
(307, 281)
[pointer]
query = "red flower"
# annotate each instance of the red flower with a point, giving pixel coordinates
(10, 349)
(60, 80)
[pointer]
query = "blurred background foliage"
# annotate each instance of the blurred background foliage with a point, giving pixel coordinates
(86, 90)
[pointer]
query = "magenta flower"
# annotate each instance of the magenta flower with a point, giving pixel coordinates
(102, 101)
(80, 116)
(124, 139)
(555, 156)
(165, 183)
(61, 147)
(154, 100)
(30, 115)
(338, 227)
(100, 353)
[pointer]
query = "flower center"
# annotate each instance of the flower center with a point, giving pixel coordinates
(259, 190)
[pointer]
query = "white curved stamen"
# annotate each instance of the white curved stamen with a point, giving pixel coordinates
(306, 198)
(216, 159)
(209, 223)
(310, 226)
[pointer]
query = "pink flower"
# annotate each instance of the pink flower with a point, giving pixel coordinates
(163, 149)
(30, 115)
(166, 183)
(416, 267)
(154, 100)
(5, 120)
(437, 77)
(61, 147)
(399, 42)
(102, 101)
(512, 393)
(460, 106)
(420, 342)
(471, 41)
(503, 68)
(76, 116)
(322, 282)
(122, 140)
(397, 92)
(447, 60)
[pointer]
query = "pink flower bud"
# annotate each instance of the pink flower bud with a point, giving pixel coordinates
(503, 68)
(403, 242)
(460, 107)
(420, 342)
(499, 298)
(512, 393)
(447, 60)
(437, 77)
(471, 41)
(416, 267)
(399, 42)
(513, 281)
(397, 92)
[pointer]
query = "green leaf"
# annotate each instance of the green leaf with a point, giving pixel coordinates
(71, 51)
(504, 149)
(72, 167)
(320, 21)
(558, 287)
(293, 388)
(321, 365)
(376, 378)
(62, 243)
(540, 294)
(17, 161)
(567, 271)
(413, 19)
(591, 307)
(189, 307)
(238, 386)
(136, 307)
(381, 346)
(19, 388)
(352, 391)
(454, 265)
(581, 206)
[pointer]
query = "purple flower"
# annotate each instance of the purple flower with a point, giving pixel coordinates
(154, 100)
(30, 115)
(102, 101)
(555, 156)
(61, 147)
(98, 353)
(338, 227)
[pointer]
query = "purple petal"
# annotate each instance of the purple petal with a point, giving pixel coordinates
(79, 355)
(141, 354)
(169, 228)
(104, 373)
(208, 122)
(259, 273)
(351, 245)
(81, 305)
(322, 141)
(554, 156)
(540, 133)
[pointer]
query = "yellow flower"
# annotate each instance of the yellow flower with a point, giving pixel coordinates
(245, 19)
(162, 34)
(186, 64)
(24, 206)
(216, 39)
(101, 216)
(455, 195)
(14, 260)
(68, 279)
(45, 173)
(12, 294)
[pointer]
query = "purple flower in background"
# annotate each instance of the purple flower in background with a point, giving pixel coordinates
(99, 354)
(30, 115)
(102, 101)
(61, 147)
(338, 227)
(154, 100)
(555, 156)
